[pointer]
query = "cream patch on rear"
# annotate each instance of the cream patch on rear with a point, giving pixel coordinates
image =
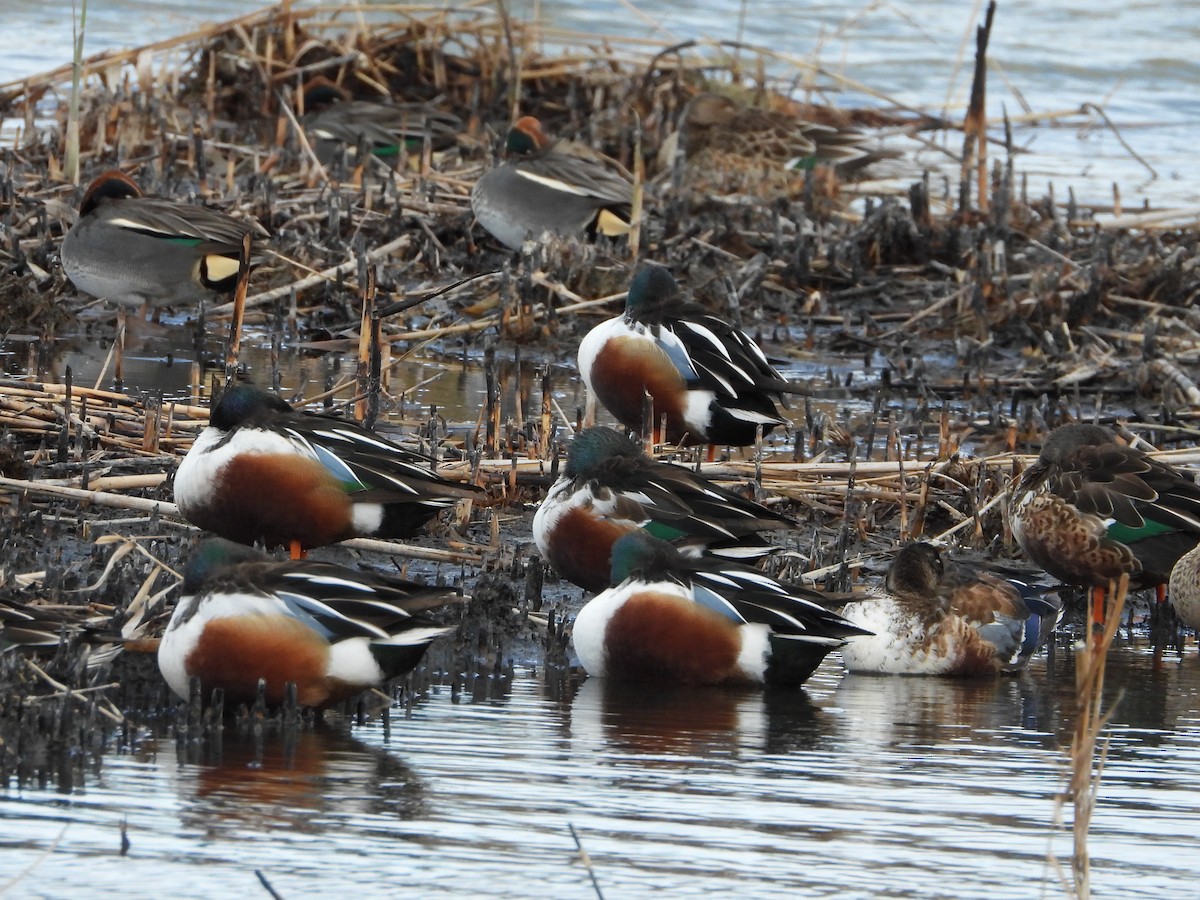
(351, 662)
(366, 517)
(755, 651)
(218, 267)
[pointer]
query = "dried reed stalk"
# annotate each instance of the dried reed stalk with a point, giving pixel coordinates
(1090, 661)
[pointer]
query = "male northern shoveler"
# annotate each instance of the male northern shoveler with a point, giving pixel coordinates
(1090, 510)
(1184, 588)
(147, 251)
(610, 488)
(710, 381)
(700, 620)
(333, 121)
(261, 471)
(558, 187)
(331, 631)
(923, 624)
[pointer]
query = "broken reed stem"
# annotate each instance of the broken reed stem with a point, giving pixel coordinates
(1090, 660)
(363, 370)
(330, 274)
(111, 713)
(975, 122)
(587, 861)
(239, 309)
(71, 151)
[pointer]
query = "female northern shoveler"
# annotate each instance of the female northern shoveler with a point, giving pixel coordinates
(331, 631)
(924, 625)
(333, 121)
(261, 471)
(148, 251)
(710, 381)
(610, 488)
(1184, 588)
(1090, 510)
(699, 620)
(558, 187)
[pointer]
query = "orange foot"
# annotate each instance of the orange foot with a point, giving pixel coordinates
(1098, 606)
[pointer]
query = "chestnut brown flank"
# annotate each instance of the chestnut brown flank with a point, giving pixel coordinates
(279, 498)
(1070, 547)
(975, 655)
(623, 367)
(655, 635)
(980, 600)
(234, 653)
(584, 555)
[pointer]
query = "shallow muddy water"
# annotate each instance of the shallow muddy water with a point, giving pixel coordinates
(853, 786)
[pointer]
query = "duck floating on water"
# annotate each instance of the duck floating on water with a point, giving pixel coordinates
(331, 631)
(702, 620)
(925, 624)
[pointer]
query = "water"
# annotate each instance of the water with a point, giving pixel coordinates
(854, 787)
(1132, 58)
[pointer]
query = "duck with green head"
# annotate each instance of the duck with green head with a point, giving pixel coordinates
(329, 630)
(610, 487)
(708, 380)
(702, 620)
(263, 471)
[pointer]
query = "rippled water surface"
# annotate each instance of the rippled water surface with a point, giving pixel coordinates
(1134, 59)
(854, 786)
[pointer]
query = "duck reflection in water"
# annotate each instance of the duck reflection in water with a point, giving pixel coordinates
(901, 711)
(679, 723)
(303, 779)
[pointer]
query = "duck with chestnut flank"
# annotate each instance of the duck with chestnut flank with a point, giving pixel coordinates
(925, 623)
(148, 251)
(701, 620)
(556, 187)
(710, 381)
(331, 631)
(262, 471)
(610, 487)
(1090, 510)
